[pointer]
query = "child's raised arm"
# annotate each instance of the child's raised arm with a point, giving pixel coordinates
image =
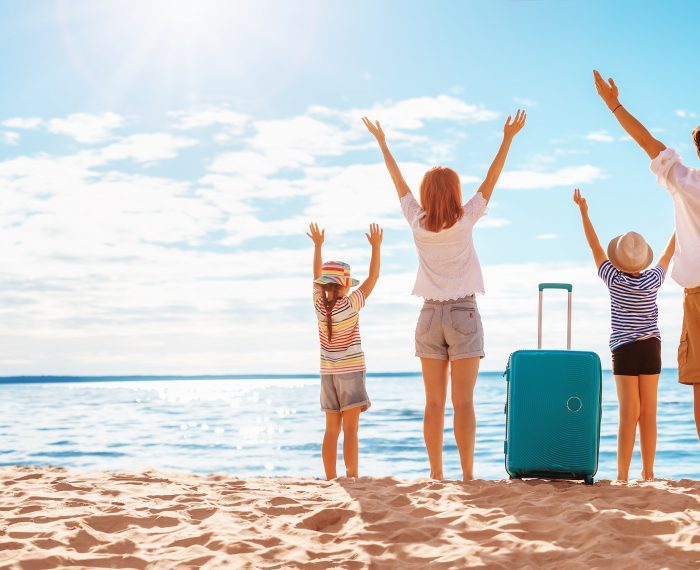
(599, 255)
(317, 236)
(401, 187)
(374, 237)
(666, 256)
(510, 129)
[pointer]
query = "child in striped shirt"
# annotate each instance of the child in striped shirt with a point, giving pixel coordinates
(343, 392)
(635, 341)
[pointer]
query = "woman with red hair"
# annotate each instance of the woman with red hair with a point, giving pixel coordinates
(449, 335)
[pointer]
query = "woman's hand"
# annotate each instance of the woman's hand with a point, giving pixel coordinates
(607, 90)
(375, 235)
(580, 201)
(315, 234)
(375, 129)
(510, 129)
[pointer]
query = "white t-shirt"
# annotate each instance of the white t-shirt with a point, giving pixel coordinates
(448, 267)
(684, 185)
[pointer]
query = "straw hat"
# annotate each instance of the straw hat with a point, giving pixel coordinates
(336, 272)
(630, 252)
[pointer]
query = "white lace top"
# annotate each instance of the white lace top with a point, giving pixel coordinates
(448, 267)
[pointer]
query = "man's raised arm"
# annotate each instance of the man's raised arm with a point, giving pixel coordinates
(609, 93)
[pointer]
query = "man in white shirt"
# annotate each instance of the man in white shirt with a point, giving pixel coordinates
(683, 183)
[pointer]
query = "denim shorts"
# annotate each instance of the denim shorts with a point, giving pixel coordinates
(450, 330)
(341, 392)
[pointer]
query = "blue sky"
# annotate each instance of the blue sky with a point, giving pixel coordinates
(159, 162)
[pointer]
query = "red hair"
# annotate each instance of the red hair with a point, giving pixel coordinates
(441, 198)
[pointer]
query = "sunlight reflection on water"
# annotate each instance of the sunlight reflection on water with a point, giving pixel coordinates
(274, 427)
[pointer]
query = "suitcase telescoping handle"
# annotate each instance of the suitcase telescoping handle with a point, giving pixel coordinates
(542, 287)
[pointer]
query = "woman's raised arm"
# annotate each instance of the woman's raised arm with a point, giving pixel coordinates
(375, 128)
(510, 129)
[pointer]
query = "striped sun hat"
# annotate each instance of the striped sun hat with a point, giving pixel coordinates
(336, 272)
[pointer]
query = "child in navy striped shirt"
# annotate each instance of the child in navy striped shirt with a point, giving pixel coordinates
(635, 341)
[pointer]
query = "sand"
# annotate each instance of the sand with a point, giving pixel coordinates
(50, 517)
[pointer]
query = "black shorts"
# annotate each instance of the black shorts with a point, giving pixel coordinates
(638, 357)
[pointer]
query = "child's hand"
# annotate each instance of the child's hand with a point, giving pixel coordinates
(510, 129)
(580, 201)
(375, 129)
(315, 234)
(375, 235)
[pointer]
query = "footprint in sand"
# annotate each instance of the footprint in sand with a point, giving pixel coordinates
(201, 540)
(118, 523)
(326, 520)
(83, 541)
(201, 513)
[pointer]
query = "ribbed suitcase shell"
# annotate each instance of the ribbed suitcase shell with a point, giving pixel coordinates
(553, 411)
(553, 414)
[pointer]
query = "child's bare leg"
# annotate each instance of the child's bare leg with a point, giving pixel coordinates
(628, 397)
(648, 387)
(329, 450)
(351, 423)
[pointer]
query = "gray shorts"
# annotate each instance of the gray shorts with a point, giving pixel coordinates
(341, 392)
(450, 330)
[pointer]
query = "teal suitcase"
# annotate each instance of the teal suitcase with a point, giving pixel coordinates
(553, 409)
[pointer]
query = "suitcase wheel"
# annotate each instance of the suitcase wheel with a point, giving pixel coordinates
(588, 480)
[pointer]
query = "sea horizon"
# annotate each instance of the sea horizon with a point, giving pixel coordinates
(59, 378)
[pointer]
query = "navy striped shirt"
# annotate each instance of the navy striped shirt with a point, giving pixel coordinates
(633, 310)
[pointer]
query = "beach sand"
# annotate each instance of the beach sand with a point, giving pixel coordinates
(51, 517)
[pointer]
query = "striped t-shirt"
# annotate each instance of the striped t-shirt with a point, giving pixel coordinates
(633, 310)
(343, 353)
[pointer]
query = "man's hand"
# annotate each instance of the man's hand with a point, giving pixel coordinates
(315, 234)
(607, 90)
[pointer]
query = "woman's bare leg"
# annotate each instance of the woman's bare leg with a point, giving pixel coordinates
(628, 398)
(351, 423)
(648, 388)
(464, 373)
(435, 382)
(329, 449)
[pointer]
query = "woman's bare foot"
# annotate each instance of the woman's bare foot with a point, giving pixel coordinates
(437, 475)
(647, 476)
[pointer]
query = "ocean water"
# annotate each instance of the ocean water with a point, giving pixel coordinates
(273, 427)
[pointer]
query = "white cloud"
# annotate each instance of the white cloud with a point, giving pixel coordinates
(145, 147)
(685, 114)
(548, 236)
(232, 121)
(525, 102)
(412, 114)
(569, 176)
(488, 222)
(600, 136)
(10, 138)
(87, 128)
(110, 271)
(23, 123)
